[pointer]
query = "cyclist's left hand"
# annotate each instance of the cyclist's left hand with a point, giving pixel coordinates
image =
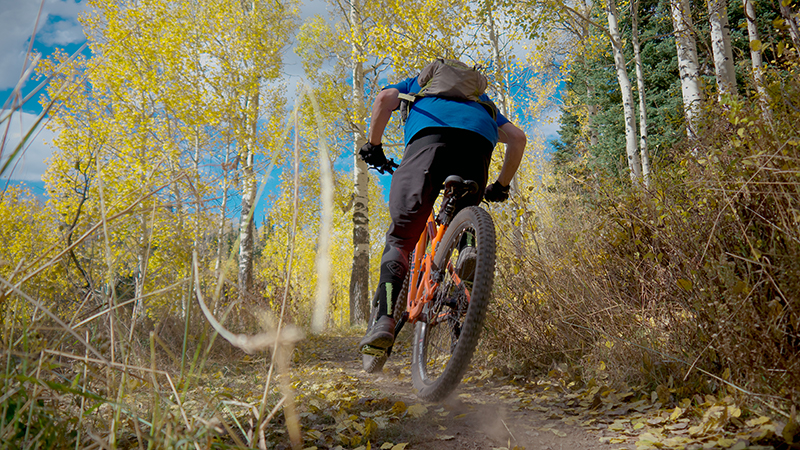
(372, 154)
(496, 192)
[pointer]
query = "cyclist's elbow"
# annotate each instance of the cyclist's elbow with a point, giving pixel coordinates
(514, 136)
(388, 99)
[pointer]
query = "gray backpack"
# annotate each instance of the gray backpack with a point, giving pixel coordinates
(452, 80)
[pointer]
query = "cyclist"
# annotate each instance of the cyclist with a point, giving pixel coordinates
(442, 137)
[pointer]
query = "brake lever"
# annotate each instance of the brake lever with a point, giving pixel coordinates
(388, 167)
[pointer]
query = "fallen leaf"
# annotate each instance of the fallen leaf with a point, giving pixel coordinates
(417, 410)
(758, 421)
(398, 408)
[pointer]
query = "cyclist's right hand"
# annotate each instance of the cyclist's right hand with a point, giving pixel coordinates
(372, 154)
(496, 192)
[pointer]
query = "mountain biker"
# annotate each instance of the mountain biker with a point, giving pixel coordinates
(443, 137)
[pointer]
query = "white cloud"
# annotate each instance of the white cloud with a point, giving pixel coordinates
(547, 125)
(31, 163)
(58, 25)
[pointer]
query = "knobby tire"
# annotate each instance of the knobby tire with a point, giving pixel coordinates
(436, 369)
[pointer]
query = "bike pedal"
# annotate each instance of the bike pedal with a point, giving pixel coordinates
(372, 351)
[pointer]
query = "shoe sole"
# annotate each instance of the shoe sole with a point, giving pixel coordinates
(373, 351)
(383, 341)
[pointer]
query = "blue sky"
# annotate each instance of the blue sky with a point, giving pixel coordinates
(58, 27)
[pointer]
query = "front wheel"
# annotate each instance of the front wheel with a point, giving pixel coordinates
(446, 339)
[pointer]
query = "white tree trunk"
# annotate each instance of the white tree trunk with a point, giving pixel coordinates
(359, 277)
(502, 92)
(634, 163)
(757, 62)
(687, 61)
(789, 16)
(221, 247)
(721, 47)
(643, 151)
(247, 229)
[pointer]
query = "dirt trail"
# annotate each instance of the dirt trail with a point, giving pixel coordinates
(483, 413)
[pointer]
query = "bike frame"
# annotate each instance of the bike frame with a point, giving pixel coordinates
(422, 285)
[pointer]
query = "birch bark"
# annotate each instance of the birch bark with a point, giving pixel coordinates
(687, 61)
(634, 163)
(756, 60)
(643, 151)
(721, 47)
(359, 276)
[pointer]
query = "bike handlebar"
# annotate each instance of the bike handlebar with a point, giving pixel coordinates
(389, 166)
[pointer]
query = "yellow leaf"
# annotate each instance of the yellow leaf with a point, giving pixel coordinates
(460, 416)
(685, 284)
(676, 414)
(417, 410)
(387, 446)
(725, 443)
(400, 446)
(558, 433)
(602, 366)
(758, 421)
(755, 45)
(398, 408)
(369, 426)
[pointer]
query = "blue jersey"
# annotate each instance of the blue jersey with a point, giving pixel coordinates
(428, 112)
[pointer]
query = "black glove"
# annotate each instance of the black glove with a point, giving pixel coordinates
(496, 192)
(372, 155)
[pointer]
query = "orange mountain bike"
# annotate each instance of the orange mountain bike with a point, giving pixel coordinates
(448, 288)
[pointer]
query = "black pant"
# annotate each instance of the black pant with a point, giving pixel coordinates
(432, 155)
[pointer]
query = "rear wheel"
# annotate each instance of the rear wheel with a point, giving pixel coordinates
(446, 339)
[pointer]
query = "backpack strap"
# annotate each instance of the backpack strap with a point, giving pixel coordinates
(406, 101)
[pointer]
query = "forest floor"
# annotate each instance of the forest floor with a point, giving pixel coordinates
(342, 407)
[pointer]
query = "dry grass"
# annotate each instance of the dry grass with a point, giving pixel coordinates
(692, 284)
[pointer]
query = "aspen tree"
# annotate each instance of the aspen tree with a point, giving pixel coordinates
(756, 59)
(634, 163)
(721, 47)
(687, 61)
(637, 55)
(165, 81)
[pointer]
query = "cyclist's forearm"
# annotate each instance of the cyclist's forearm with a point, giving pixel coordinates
(386, 102)
(515, 148)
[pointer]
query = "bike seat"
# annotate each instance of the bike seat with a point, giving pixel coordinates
(460, 186)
